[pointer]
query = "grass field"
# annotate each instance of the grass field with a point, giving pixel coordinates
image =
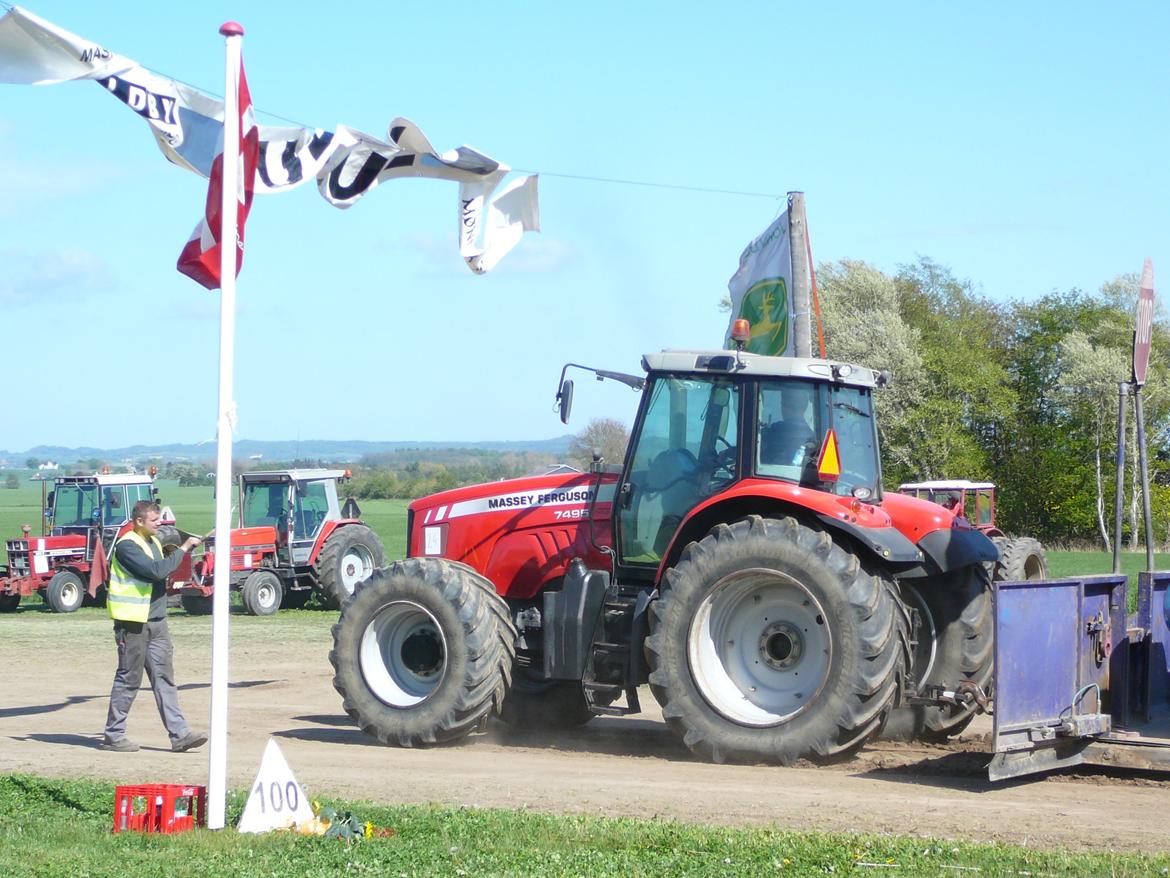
(62, 828)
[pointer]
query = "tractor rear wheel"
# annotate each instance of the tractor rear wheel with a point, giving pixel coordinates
(954, 645)
(295, 598)
(423, 652)
(348, 557)
(261, 593)
(196, 604)
(1021, 559)
(771, 642)
(9, 602)
(65, 592)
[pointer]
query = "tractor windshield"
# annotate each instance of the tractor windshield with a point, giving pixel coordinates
(265, 504)
(685, 451)
(795, 418)
(75, 505)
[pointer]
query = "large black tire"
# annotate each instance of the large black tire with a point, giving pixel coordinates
(349, 556)
(1021, 559)
(65, 592)
(170, 538)
(9, 602)
(423, 652)
(261, 593)
(196, 604)
(771, 642)
(545, 704)
(955, 644)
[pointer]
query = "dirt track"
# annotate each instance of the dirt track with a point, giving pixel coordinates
(55, 699)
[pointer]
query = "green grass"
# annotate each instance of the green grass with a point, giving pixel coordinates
(63, 827)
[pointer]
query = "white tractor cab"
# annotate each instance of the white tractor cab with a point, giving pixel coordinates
(293, 536)
(1020, 558)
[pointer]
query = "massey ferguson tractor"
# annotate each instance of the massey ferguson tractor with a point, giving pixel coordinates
(78, 514)
(743, 561)
(1020, 558)
(293, 537)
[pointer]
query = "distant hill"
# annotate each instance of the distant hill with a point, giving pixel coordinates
(339, 451)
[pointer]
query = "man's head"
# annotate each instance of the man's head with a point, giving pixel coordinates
(146, 516)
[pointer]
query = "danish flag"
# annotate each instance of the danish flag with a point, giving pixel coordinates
(200, 259)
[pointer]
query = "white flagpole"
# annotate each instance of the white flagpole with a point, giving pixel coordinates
(217, 748)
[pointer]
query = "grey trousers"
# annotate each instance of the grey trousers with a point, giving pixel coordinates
(144, 646)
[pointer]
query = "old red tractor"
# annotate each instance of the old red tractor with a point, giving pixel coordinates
(293, 537)
(78, 514)
(1020, 558)
(742, 560)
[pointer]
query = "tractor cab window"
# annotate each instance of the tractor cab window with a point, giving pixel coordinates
(114, 509)
(75, 506)
(685, 452)
(265, 504)
(793, 423)
(312, 508)
(984, 508)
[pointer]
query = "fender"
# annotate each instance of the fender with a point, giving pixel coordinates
(946, 550)
(868, 524)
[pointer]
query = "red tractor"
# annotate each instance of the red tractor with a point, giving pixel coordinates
(743, 561)
(1020, 558)
(79, 513)
(293, 537)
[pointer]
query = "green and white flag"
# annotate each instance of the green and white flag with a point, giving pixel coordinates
(761, 292)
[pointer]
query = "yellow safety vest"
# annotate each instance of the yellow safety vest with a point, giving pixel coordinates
(127, 597)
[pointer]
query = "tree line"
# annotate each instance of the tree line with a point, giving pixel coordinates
(1023, 394)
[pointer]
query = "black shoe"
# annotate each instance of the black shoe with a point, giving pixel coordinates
(189, 741)
(120, 745)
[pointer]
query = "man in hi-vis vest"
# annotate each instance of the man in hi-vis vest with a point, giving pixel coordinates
(137, 601)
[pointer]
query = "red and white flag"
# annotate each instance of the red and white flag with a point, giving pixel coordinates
(200, 259)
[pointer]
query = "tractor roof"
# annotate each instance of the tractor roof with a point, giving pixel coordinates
(292, 475)
(714, 362)
(945, 485)
(106, 479)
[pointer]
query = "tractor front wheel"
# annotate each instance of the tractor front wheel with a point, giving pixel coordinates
(65, 592)
(771, 642)
(955, 640)
(349, 556)
(423, 652)
(261, 593)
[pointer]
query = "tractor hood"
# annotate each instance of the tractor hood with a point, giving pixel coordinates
(525, 531)
(947, 541)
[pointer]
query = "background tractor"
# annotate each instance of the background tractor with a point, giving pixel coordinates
(78, 514)
(1020, 558)
(293, 537)
(743, 561)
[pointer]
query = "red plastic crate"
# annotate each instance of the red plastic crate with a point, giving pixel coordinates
(160, 807)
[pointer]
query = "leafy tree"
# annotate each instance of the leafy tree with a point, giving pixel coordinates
(32, 462)
(11, 481)
(605, 436)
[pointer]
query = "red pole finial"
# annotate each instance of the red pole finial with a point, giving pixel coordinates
(231, 29)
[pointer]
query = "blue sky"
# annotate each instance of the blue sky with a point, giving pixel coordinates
(1023, 145)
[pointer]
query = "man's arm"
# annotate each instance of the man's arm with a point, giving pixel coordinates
(131, 556)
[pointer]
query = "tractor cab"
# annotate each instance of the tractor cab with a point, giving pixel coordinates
(102, 502)
(297, 503)
(708, 421)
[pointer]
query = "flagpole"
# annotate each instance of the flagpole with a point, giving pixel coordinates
(220, 602)
(801, 299)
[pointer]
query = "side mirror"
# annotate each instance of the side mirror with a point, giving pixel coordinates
(565, 398)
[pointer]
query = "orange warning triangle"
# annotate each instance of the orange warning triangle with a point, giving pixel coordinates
(829, 463)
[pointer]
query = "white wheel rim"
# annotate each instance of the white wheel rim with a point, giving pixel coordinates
(759, 647)
(403, 654)
(266, 594)
(70, 594)
(356, 566)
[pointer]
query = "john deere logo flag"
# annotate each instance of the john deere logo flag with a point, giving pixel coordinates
(761, 291)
